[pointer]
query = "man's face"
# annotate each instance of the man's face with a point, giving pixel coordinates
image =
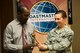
(58, 19)
(23, 17)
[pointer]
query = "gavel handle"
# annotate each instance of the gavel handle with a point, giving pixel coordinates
(36, 40)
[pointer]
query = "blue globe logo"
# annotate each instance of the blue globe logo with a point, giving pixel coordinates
(42, 16)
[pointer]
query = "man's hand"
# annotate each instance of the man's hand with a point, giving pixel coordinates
(28, 47)
(42, 46)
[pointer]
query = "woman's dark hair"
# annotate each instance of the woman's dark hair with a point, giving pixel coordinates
(62, 12)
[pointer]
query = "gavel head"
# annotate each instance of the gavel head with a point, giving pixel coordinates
(33, 34)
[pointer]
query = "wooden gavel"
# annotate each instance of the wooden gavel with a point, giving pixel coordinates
(33, 35)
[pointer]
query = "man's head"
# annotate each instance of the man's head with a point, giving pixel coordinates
(23, 14)
(60, 17)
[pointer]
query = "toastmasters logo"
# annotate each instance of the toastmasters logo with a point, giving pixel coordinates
(42, 16)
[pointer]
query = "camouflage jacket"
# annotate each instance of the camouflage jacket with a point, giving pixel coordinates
(60, 40)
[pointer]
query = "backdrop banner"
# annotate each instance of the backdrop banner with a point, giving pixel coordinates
(42, 12)
(42, 16)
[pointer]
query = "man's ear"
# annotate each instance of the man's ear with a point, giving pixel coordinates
(18, 13)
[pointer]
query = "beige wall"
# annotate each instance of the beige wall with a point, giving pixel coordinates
(76, 25)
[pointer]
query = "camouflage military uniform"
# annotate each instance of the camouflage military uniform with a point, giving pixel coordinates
(60, 40)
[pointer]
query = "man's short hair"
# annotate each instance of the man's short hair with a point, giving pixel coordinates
(20, 8)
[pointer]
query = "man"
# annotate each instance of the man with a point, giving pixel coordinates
(17, 35)
(60, 38)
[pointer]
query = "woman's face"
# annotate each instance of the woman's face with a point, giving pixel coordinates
(59, 20)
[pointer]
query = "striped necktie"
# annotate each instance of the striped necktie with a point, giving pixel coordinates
(24, 41)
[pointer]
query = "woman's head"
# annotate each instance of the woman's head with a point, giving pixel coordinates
(60, 17)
